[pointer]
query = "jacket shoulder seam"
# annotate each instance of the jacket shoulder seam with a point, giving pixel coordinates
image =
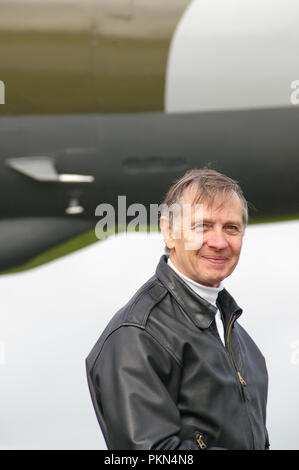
(137, 325)
(155, 301)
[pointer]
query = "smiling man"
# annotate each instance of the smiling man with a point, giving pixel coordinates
(221, 227)
(174, 369)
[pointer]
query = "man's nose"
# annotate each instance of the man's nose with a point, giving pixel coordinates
(216, 239)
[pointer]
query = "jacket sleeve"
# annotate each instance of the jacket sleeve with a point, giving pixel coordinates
(134, 383)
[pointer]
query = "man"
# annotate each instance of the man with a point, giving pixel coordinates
(174, 369)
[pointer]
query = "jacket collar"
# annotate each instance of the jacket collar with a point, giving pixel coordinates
(201, 312)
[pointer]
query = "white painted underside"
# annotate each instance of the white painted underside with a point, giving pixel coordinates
(233, 54)
(52, 316)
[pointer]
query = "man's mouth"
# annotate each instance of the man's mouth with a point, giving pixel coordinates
(216, 259)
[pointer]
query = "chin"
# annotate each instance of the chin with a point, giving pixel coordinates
(210, 281)
(215, 281)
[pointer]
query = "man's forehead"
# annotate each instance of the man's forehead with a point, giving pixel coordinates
(229, 202)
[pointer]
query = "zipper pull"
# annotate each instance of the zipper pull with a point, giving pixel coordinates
(201, 442)
(242, 381)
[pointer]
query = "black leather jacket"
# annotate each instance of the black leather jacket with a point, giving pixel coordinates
(161, 378)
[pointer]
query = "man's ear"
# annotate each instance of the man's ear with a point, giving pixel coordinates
(167, 232)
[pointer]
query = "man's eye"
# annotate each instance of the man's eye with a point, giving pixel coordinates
(232, 228)
(200, 226)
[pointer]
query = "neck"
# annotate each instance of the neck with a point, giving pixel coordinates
(207, 292)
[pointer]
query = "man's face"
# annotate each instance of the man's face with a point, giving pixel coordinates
(222, 232)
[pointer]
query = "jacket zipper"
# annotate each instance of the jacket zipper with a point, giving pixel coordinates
(199, 439)
(240, 378)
